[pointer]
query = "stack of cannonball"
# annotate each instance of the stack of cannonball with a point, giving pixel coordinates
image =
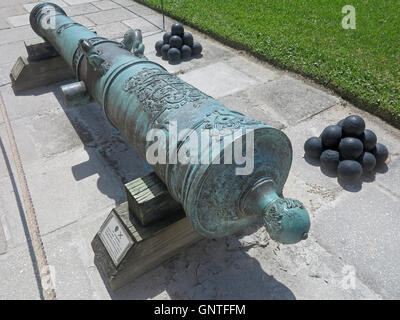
(177, 45)
(347, 149)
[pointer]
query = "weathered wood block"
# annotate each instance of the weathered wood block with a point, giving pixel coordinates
(149, 199)
(151, 245)
(42, 67)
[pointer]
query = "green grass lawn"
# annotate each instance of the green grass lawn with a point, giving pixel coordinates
(362, 65)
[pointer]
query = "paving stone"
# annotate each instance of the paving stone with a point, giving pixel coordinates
(364, 236)
(31, 103)
(253, 68)
(125, 3)
(158, 20)
(247, 103)
(29, 6)
(76, 2)
(391, 179)
(4, 24)
(140, 9)
(18, 21)
(12, 215)
(90, 190)
(113, 15)
(313, 194)
(70, 255)
(149, 41)
(15, 34)
(142, 24)
(3, 239)
(44, 133)
(84, 21)
(11, 9)
(106, 5)
(20, 282)
(5, 73)
(295, 100)
(29, 153)
(218, 79)
(81, 9)
(113, 30)
(11, 51)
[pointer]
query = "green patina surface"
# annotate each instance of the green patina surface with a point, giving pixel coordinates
(362, 65)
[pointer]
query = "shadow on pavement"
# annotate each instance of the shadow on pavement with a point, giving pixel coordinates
(210, 269)
(108, 151)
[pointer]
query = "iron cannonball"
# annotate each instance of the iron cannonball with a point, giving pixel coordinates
(340, 123)
(164, 51)
(367, 161)
(369, 139)
(313, 147)
(175, 42)
(177, 29)
(350, 148)
(196, 49)
(188, 39)
(381, 153)
(330, 160)
(353, 126)
(186, 52)
(331, 136)
(174, 54)
(158, 46)
(166, 37)
(349, 170)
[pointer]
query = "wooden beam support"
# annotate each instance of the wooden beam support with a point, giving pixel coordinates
(42, 67)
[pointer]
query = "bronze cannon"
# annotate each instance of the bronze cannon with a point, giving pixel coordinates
(150, 106)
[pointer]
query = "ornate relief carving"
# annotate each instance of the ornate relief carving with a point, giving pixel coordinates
(274, 213)
(227, 121)
(159, 91)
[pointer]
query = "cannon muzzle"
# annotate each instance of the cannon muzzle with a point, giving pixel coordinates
(219, 191)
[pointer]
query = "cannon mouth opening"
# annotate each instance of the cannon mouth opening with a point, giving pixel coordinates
(37, 13)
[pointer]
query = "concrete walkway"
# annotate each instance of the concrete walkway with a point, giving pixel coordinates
(76, 164)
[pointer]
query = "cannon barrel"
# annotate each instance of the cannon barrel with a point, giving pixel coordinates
(139, 96)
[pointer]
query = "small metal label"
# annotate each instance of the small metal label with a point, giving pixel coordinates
(115, 238)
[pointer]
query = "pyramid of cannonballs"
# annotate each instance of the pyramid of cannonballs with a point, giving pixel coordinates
(348, 149)
(177, 45)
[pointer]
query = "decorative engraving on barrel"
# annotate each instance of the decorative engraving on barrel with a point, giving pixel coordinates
(274, 213)
(226, 121)
(159, 91)
(60, 29)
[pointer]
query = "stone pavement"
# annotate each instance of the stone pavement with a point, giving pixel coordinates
(76, 165)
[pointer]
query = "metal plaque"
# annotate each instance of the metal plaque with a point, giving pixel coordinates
(115, 238)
